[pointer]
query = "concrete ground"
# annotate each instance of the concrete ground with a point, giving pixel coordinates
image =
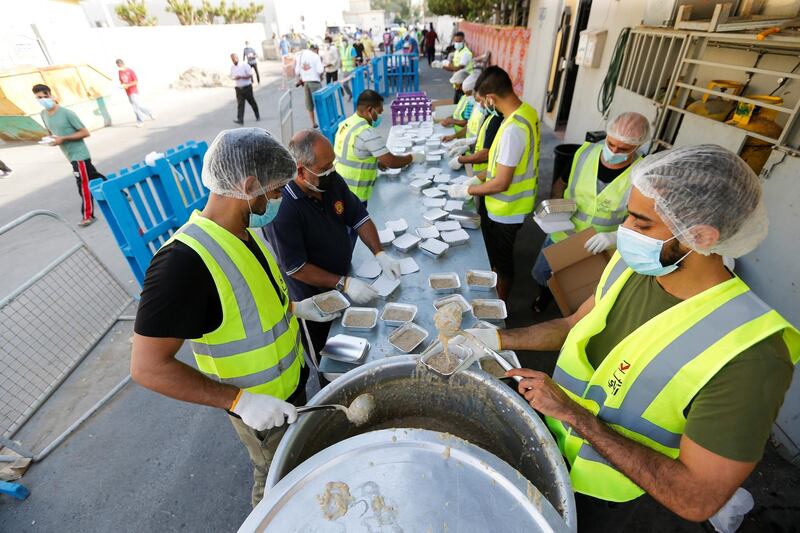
(148, 463)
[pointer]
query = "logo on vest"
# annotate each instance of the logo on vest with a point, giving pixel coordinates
(616, 381)
(338, 206)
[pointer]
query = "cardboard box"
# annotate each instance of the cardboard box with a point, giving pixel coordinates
(442, 109)
(576, 272)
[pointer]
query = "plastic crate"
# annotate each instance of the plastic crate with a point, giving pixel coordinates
(144, 205)
(411, 107)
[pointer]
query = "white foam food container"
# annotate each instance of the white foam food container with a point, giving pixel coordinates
(386, 236)
(398, 226)
(434, 202)
(444, 187)
(457, 298)
(433, 192)
(433, 158)
(442, 178)
(497, 304)
(351, 311)
(436, 152)
(453, 205)
(435, 214)
(368, 269)
(406, 242)
(427, 232)
(402, 329)
(408, 266)
(484, 274)
(455, 238)
(433, 247)
(344, 303)
(398, 306)
(447, 225)
(460, 179)
(392, 171)
(451, 278)
(419, 185)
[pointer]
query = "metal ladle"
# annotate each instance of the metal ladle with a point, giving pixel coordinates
(487, 352)
(358, 412)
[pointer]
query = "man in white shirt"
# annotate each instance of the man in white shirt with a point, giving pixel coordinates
(242, 75)
(331, 61)
(308, 68)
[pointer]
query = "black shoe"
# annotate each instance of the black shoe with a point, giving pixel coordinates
(239, 122)
(258, 119)
(543, 300)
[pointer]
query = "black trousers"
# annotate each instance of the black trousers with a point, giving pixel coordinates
(431, 53)
(85, 172)
(457, 96)
(254, 66)
(599, 516)
(242, 94)
(331, 77)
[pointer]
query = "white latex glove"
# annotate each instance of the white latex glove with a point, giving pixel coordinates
(488, 336)
(306, 310)
(469, 141)
(457, 149)
(261, 411)
(389, 265)
(473, 181)
(459, 190)
(601, 241)
(454, 164)
(417, 157)
(358, 291)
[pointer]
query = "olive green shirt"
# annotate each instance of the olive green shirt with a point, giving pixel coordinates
(733, 413)
(65, 122)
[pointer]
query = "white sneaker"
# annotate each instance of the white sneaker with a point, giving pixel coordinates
(139, 124)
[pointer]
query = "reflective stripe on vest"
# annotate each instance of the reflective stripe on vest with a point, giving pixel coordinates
(480, 144)
(359, 174)
(511, 206)
(604, 211)
(646, 382)
(257, 346)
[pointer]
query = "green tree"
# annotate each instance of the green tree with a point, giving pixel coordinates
(134, 12)
(184, 10)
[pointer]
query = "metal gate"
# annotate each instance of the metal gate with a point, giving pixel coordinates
(50, 323)
(286, 118)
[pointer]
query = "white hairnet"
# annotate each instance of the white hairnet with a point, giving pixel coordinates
(459, 76)
(629, 128)
(469, 83)
(236, 154)
(705, 185)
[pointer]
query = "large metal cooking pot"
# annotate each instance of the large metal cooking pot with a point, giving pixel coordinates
(470, 405)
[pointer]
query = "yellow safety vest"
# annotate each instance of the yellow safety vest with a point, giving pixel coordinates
(480, 143)
(348, 61)
(604, 211)
(643, 386)
(457, 59)
(460, 109)
(511, 206)
(359, 174)
(475, 120)
(257, 347)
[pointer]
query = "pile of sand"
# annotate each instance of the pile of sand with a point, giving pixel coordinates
(197, 77)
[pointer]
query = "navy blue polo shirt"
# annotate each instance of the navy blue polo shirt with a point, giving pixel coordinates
(308, 230)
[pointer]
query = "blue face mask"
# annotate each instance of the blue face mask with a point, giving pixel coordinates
(376, 121)
(259, 221)
(612, 158)
(643, 253)
(47, 103)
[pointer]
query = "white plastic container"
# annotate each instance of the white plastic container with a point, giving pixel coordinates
(406, 242)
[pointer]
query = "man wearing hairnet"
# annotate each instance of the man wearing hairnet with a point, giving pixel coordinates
(668, 378)
(217, 285)
(599, 183)
(463, 109)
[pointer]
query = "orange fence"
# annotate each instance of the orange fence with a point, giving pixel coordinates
(508, 44)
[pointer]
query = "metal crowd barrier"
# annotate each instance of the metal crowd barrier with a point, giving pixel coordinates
(286, 117)
(48, 325)
(144, 205)
(395, 73)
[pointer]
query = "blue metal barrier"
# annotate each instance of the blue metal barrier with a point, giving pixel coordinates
(359, 82)
(329, 106)
(144, 205)
(395, 73)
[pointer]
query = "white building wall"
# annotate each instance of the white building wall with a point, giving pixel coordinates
(310, 17)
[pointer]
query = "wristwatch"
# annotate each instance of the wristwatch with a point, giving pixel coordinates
(340, 284)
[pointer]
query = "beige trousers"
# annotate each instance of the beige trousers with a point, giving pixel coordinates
(261, 446)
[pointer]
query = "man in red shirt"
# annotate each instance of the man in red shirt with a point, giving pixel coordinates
(129, 82)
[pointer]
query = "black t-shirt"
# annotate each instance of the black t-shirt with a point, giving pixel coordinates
(179, 298)
(607, 175)
(491, 129)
